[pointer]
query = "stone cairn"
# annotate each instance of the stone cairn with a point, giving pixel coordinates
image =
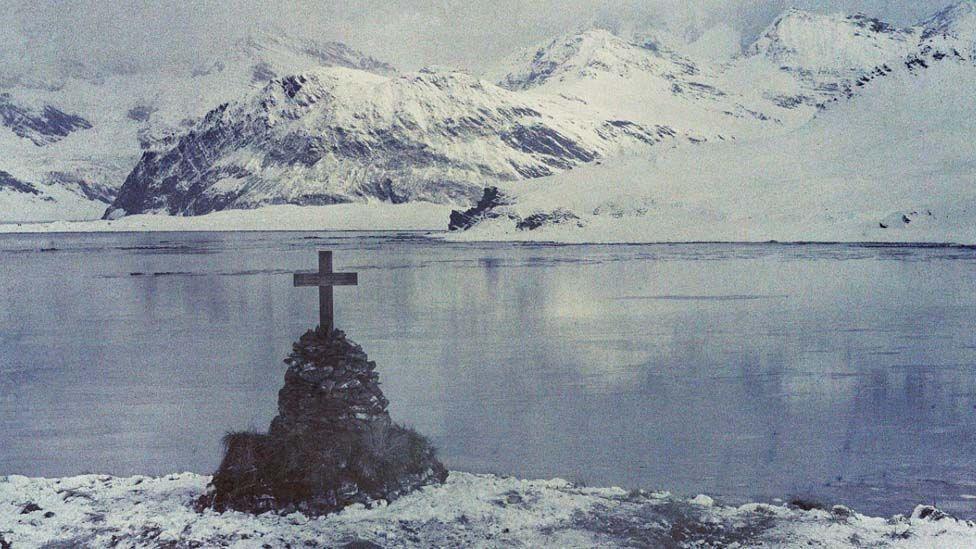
(332, 444)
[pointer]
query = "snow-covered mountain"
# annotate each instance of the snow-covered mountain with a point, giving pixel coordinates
(441, 136)
(646, 82)
(338, 135)
(261, 126)
(951, 32)
(834, 44)
(75, 132)
(896, 161)
(806, 58)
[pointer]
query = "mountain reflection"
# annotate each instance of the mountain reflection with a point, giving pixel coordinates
(836, 371)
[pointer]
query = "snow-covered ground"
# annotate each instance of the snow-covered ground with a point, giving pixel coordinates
(894, 163)
(468, 511)
(372, 216)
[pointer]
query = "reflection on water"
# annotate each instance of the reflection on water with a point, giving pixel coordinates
(750, 371)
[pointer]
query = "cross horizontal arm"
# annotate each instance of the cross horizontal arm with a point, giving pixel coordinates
(326, 279)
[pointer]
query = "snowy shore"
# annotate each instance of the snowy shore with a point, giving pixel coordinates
(373, 216)
(469, 510)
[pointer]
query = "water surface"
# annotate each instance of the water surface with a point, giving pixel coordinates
(840, 372)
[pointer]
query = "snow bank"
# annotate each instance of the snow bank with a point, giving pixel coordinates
(355, 217)
(469, 510)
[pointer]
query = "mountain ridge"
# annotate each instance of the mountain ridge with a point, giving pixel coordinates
(234, 133)
(334, 135)
(91, 127)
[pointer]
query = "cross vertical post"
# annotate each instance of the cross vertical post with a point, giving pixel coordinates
(325, 279)
(326, 313)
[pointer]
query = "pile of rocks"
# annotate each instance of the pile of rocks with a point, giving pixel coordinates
(332, 444)
(330, 385)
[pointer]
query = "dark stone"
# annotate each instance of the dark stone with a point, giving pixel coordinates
(927, 512)
(292, 85)
(140, 113)
(262, 72)
(332, 443)
(552, 147)
(361, 544)
(30, 508)
(807, 504)
(8, 181)
(492, 198)
(42, 128)
(555, 217)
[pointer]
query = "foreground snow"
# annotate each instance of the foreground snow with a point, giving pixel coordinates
(352, 217)
(469, 510)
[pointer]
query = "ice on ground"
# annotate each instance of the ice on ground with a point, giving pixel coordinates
(373, 216)
(469, 510)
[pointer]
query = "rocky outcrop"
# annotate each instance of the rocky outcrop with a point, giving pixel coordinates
(42, 126)
(8, 181)
(332, 444)
(538, 220)
(493, 205)
(484, 209)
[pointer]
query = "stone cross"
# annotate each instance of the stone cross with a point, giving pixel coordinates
(325, 279)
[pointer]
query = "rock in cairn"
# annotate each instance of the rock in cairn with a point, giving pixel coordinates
(330, 386)
(332, 444)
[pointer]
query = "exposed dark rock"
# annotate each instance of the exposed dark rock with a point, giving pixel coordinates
(807, 504)
(361, 544)
(79, 185)
(140, 113)
(484, 209)
(556, 149)
(555, 217)
(8, 181)
(874, 25)
(262, 72)
(332, 444)
(927, 512)
(30, 508)
(42, 128)
(292, 85)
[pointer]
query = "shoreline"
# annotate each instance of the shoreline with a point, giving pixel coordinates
(468, 510)
(430, 219)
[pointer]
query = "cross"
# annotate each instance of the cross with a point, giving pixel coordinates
(325, 279)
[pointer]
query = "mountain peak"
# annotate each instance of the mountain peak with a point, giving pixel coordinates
(269, 45)
(586, 53)
(956, 21)
(831, 43)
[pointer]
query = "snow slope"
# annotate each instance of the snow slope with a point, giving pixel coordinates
(895, 163)
(467, 511)
(84, 128)
(647, 82)
(835, 44)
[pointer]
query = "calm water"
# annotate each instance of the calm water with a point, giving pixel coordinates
(846, 373)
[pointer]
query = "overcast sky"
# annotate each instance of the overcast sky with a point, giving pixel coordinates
(464, 34)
